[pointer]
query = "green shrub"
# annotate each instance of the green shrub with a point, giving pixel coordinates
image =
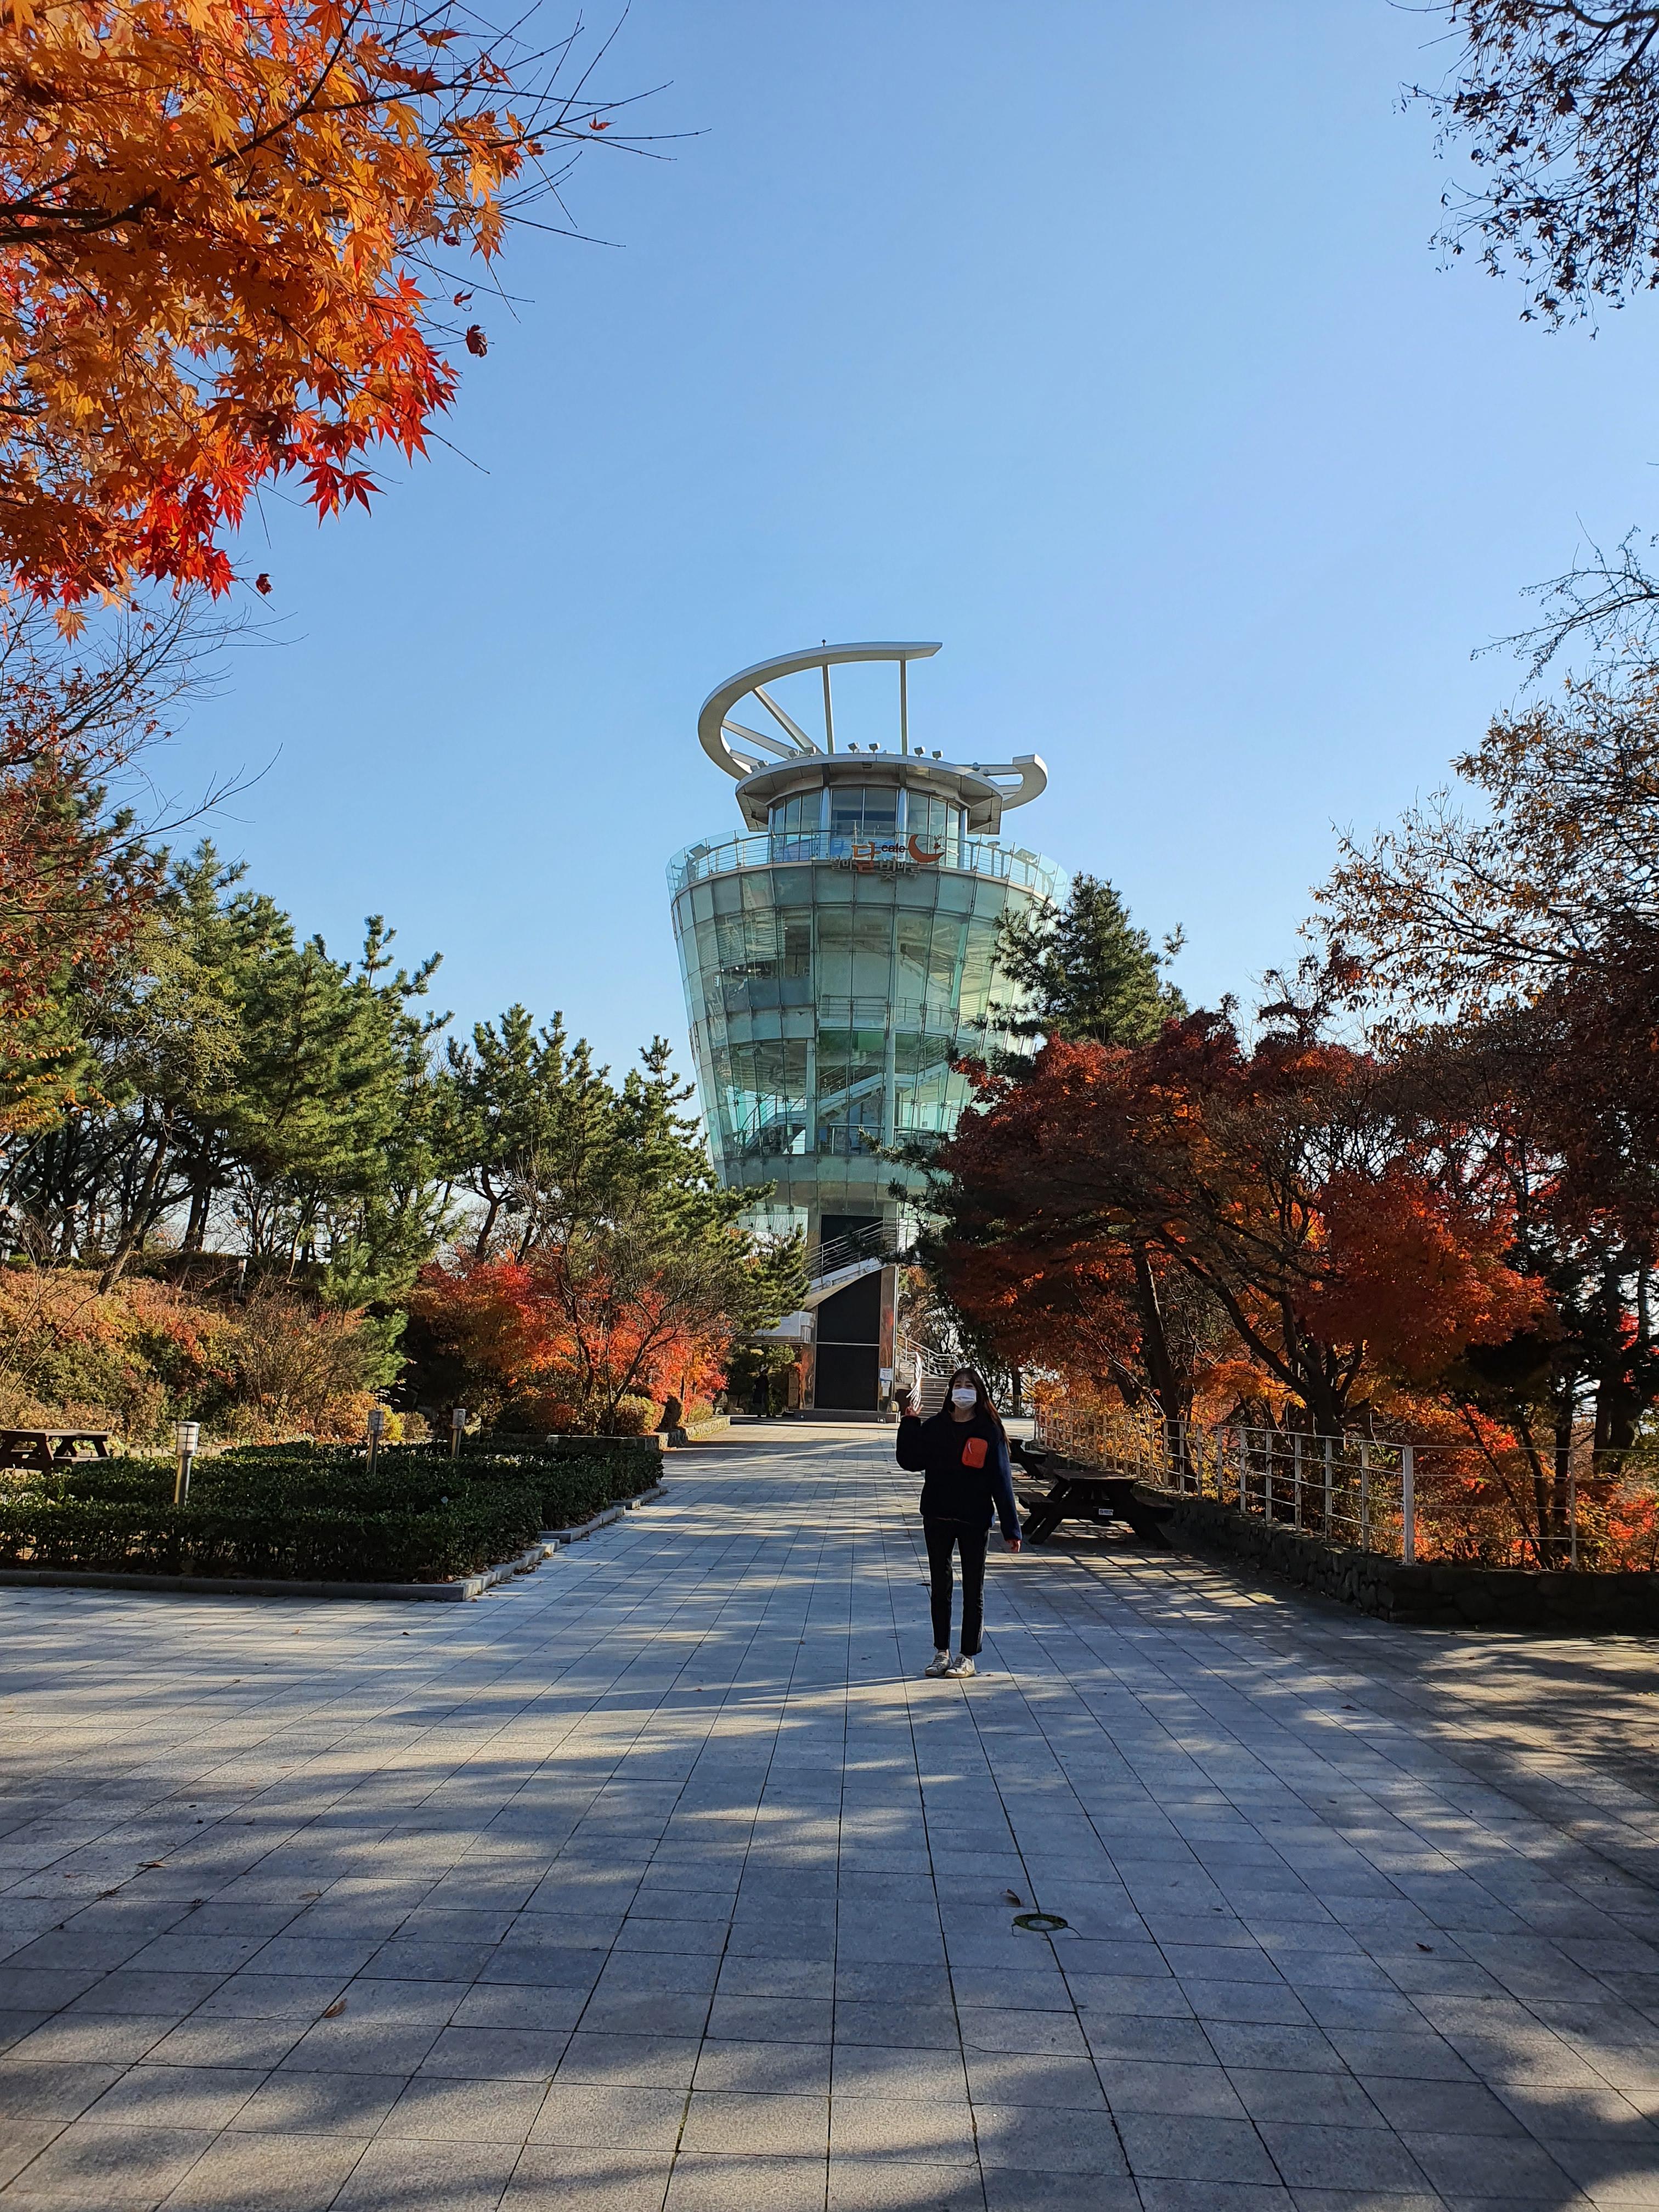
(573, 1486)
(314, 1512)
(305, 1521)
(632, 1417)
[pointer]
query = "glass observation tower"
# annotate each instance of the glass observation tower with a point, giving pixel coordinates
(839, 954)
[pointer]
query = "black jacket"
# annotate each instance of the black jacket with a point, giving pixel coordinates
(952, 1492)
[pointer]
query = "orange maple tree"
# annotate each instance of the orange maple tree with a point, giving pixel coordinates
(558, 1340)
(1274, 1181)
(216, 225)
(1415, 1272)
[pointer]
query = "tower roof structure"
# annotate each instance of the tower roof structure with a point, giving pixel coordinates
(769, 765)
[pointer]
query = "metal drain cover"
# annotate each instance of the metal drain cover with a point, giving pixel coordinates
(1040, 1923)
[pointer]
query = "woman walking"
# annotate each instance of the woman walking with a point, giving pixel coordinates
(962, 1451)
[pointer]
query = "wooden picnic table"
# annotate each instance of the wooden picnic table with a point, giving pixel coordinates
(1091, 1494)
(45, 1449)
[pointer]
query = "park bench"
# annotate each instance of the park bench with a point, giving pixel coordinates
(1087, 1494)
(45, 1449)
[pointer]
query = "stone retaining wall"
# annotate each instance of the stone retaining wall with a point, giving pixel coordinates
(1429, 1595)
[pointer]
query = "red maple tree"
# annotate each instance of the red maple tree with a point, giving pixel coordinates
(1277, 1182)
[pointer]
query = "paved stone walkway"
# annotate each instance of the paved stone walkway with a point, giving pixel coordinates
(660, 1880)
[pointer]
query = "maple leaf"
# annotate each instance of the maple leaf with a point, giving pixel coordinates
(211, 214)
(262, 585)
(475, 341)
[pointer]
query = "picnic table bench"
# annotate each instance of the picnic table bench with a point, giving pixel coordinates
(1087, 1494)
(45, 1449)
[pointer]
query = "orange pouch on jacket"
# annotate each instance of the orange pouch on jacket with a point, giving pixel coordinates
(973, 1452)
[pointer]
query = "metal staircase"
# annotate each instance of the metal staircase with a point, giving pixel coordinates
(835, 1261)
(925, 1374)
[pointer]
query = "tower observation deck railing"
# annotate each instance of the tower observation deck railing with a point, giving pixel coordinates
(975, 856)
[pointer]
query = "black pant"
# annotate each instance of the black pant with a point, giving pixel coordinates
(943, 1536)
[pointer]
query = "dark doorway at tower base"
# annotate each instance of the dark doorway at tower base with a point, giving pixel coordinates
(849, 1363)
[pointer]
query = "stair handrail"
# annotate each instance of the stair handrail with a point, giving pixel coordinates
(878, 1240)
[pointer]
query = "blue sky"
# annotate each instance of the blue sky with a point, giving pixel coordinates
(1100, 339)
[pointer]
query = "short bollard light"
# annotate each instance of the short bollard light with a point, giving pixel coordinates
(186, 1435)
(457, 1430)
(376, 1431)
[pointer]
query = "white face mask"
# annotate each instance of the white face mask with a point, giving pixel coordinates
(964, 1395)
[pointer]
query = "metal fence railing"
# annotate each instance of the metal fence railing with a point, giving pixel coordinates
(1480, 1503)
(974, 856)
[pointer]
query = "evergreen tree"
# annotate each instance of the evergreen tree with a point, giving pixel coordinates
(526, 1130)
(234, 1075)
(1085, 973)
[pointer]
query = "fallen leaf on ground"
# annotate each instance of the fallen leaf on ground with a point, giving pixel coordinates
(333, 2011)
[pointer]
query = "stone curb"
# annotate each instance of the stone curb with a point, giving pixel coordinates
(578, 1529)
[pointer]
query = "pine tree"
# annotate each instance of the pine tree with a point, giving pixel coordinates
(1087, 973)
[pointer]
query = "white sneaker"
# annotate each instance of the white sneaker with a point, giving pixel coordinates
(938, 1664)
(960, 1668)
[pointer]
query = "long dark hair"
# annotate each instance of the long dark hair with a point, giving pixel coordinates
(984, 1406)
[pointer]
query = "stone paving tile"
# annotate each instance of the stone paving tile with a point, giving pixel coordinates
(914, 2129)
(119, 2167)
(1358, 1918)
(555, 2177)
(884, 2184)
(510, 2005)
(1011, 2188)
(396, 2173)
(783, 2068)
(755, 2121)
(14, 2024)
(1057, 2141)
(702, 2182)
(494, 2053)
(593, 2119)
(464, 2110)
(350, 2105)
(1018, 2078)
(288, 2173)
(22, 2141)
(251, 1996)
(649, 2062)
(177, 2096)
(107, 2039)
(868, 2070)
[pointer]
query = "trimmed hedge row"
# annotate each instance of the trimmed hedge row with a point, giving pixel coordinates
(570, 1489)
(474, 1530)
(573, 1490)
(310, 1513)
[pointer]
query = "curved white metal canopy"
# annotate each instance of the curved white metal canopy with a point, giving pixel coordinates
(712, 724)
(761, 754)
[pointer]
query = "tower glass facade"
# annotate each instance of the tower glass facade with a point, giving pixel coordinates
(838, 956)
(829, 999)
